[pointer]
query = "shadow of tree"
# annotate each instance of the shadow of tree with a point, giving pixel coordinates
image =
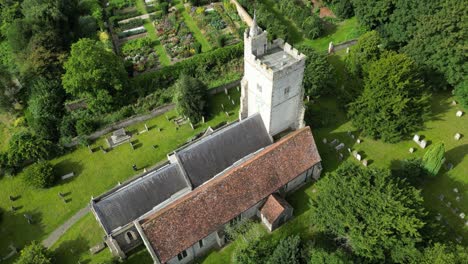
(457, 154)
(69, 251)
(67, 166)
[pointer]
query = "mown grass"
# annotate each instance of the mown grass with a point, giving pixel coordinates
(95, 173)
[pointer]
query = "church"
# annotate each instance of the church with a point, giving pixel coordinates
(180, 209)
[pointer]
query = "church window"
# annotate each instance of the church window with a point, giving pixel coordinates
(286, 91)
(182, 255)
(130, 236)
(200, 243)
(259, 88)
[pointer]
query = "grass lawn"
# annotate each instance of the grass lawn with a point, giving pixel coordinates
(158, 48)
(95, 173)
(345, 30)
(5, 130)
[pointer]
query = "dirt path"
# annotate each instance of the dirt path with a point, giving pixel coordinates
(324, 11)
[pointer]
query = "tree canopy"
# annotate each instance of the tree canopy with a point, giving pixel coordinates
(318, 73)
(190, 97)
(366, 51)
(94, 73)
(434, 158)
(394, 101)
(34, 253)
(372, 213)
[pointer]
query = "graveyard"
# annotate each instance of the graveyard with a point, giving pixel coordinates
(97, 168)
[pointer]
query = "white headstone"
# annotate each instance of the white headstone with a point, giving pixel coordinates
(459, 113)
(462, 215)
(349, 150)
(324, 140)
(340, 146)
(225, 91)
(455, 190)
(457, 136)
(364, 162)
(358, 141)
(330, 47)
(416, 138)
(423, 144)
(358, 157)
(191, 125)
(454, 102)
(203, 120)
(411, 150)
(347, 50)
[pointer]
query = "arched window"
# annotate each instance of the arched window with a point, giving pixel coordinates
(130, 236)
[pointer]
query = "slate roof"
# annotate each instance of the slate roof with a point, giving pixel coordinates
(128, 203)
(205, 209)
(273, 208)
(212, 154)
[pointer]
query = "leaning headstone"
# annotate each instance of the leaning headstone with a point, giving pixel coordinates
(203, 120)
(349, 150)
(233, 103)
(324, 140)
(90, 149)
(358, 157)
(131, 145)
(423, 144)
(454, 102)
(411, 150)
(222, 106)
(459, 113)
(340, 156)
(334, 142)
(227, 114)
(331, 48)
(455, 190)
(238, 88)
(146, 128)
(225, 91)
(352, 136)
(340, 146)
(416, 138)
(439, 217)
(457, 136)
(308, 99)
(191, 125)
(364, 162)
(355, 153)
(159, 129)
(358, 141)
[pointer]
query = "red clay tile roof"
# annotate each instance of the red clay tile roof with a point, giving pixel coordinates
(273, 208)
(204, 210)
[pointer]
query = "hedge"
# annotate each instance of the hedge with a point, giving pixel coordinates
(137, 22)
(196, 66)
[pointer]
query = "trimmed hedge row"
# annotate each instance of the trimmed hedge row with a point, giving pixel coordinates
(196, 66)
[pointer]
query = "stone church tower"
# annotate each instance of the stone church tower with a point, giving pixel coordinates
(272, 83)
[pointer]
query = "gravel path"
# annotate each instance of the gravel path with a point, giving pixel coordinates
(57, 233)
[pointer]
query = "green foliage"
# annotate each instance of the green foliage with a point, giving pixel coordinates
(11, 92)
(46, 108)
(190, 97)
(366, 51)
(94, 73)
(343, 8)
(371, 14)
(119, 4)
(437, 42)
(411, 170)
(67, 127)
(40, 175)
(88, 26)
(442, 254)
(360, 205)
(312, 26)
(434, 158)
(137, 22)
(25, 146)
(319, 76)
(85, 126)
(461, 92)
(393, 102)
(320, 256)
(252, 252)
(288, 251)
(34, 253)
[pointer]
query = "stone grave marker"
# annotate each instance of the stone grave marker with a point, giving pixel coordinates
(222, 106)
(349, 150)
(439, 217)
(340, 146)
(334, 142)
(191, 125)
(364, 162)
(358, 157)
(449, 204)
(225, 91)
(454, 102)
(458, 199)
(227, 114)
(203, 120)
(416, 138)
(462, 215)
(423, 144)
(67, 176)
(324, 140)
(233, 103)
(146, 128)
(411, 150)
(455, 190)
(352, 136)
(457, 136)
(358, 141)
(441, 197)
(459, 113)
(340, 156)
(347, 50)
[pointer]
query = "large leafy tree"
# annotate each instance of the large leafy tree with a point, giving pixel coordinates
(190, 97)
(46, 108)
(318, 73)
(442, 254)
(394, 101)
(25, 146)
(366, 51)
(439, 42)
(288, 251)
(94, 73)
(374, 214)
(372, 14)
(321, 256)
(40, 175)
(434, 158)
(34, 253)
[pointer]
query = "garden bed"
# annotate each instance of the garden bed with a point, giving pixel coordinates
(140, 54)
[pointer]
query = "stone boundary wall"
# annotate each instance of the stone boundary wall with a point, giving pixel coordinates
(345, 44)
(243, 14)
(137, 119)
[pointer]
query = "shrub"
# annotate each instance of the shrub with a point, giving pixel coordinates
(27, 147)
(67, 127)
(34, 253)
(134, 23)
(221, 40)
(40, 175)
(164, 8)
(85, 126)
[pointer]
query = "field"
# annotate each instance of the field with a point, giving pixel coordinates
(95, 173)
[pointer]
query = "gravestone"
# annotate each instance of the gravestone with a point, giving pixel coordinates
(340, 156)
(118, 137)
(355, 153)
(334, 142)
(238, 88)
(358, 141)
(349, 133)
(462, 215)
(191, 125)
(90, 149)
(146, 128)
(411, 150)
(459, 113)
(225, 91)
(352, 136)
(454, 102)
(308, 99)
(416, 138)
(233, 103)
(449, 204)
(358, 157)
(97, 248)
(439, 217)
(67, 176)
(227, 114)
(349, 150)
(340, 146)
(457, 136)
(331, 48)
(347, 50)
(222, 106)
(458, 199)
(449, 166)
(423, 144)
(203, 120)
(441, 197)
(167, 118)
(364, 162)
(324, 140)
(229, 97)
(455, 190)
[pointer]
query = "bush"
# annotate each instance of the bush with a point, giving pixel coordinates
(164, 8)
(34, 253)
(138, 22)
(67, 127)
(221, 40)
(85, 126)
(197, 47)
(40, 175)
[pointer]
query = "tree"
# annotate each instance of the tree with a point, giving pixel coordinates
(40, 175)
(372, 213)
(442, 254)
(34, 253)
(372, 14)
(25, 146)
(366, 51)
(288, 251)
(439, 42)
(342, 8)
(461, 92)
(252, 252)
(393, 102)
(190, 97)
(411, 170)
(318, 73)
(433, 159)
(46, 108)
(94, 73)
(312, 26)
(321, 256)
